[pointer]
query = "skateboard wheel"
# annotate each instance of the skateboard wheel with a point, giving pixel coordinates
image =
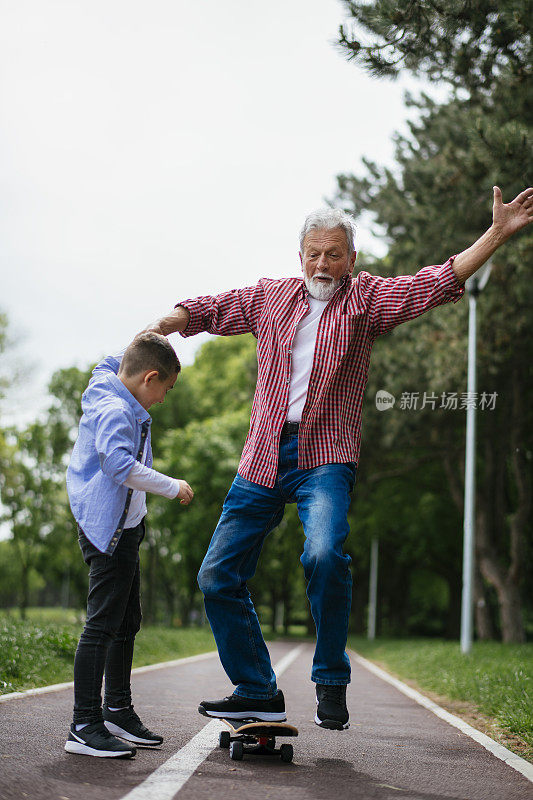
(236, 751)
(286, 752)
(224, 739)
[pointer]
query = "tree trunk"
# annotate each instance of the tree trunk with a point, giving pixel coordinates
(273, 609)
(504, 582)
(287, 614)
(484, 627)
(503, 440)
(511, 613)
(495, 513)
(453, 619)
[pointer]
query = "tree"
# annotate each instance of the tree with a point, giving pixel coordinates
(29, 495)
(438, 193)
(32, 490)
(468, 45)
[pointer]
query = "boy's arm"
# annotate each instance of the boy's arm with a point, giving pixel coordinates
(145, 479)
(114, 444)
(226, 314)
(108, 364)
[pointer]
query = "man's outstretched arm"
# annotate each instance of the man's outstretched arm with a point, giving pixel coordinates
(227, 314)
(507, 219)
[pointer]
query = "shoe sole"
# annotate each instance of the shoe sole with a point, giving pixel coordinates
(123, 734)
(331, 724)
(260, 716)
(84, 750)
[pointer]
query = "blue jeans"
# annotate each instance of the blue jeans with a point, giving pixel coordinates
(250, 512)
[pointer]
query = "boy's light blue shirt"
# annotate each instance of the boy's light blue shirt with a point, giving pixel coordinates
(111, 430)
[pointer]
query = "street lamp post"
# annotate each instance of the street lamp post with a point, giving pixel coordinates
(373, 589)
(474, 285)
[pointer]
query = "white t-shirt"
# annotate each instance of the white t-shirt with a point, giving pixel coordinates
(302, 354)
(143, 479)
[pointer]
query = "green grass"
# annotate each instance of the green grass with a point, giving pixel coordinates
(40, 650)
(495, 679)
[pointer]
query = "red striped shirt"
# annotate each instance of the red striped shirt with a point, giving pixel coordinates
(361, 309)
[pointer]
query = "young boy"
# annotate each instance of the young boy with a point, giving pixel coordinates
(107, 480)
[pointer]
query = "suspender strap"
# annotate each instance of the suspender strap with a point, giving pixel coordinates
(118, 533)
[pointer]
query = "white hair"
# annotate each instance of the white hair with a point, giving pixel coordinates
(328, 219)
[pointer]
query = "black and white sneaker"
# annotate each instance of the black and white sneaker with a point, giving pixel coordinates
(237, 707)
(95, 740)
(126, 724)
(331, 711)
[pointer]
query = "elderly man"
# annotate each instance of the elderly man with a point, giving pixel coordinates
(314, 338)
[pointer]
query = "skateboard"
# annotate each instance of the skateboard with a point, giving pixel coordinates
(256, 738)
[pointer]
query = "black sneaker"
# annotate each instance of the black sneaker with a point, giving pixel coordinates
(126, 724)
(95, 740)
(236, 707)
(331, 709)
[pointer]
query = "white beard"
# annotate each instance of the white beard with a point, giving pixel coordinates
(320, 290)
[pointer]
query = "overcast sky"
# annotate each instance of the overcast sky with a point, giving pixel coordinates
(152, 151)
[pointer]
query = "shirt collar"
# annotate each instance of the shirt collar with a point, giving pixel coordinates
(140, 412)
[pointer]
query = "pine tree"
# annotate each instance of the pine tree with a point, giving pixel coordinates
(436, 202)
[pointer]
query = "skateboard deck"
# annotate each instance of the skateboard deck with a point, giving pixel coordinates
(257, 738)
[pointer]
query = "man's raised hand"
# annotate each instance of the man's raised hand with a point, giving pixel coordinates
(508, 218)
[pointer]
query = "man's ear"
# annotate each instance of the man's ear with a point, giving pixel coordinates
(150, 376)
(352, 260)
(301, 260)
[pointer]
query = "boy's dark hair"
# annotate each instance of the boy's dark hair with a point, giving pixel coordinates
(150, 351)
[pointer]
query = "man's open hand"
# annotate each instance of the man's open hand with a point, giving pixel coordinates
(508, 218)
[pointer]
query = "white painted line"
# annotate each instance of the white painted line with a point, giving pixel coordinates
(166, 781)
(285, 662)
(56, 687)
(498, 750)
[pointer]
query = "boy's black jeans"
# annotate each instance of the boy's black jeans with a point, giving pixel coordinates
(113, 619)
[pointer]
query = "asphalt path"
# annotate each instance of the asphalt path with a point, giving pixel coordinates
(394, 748)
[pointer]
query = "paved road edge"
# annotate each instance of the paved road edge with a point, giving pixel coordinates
(516, 762)
(56, 687)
